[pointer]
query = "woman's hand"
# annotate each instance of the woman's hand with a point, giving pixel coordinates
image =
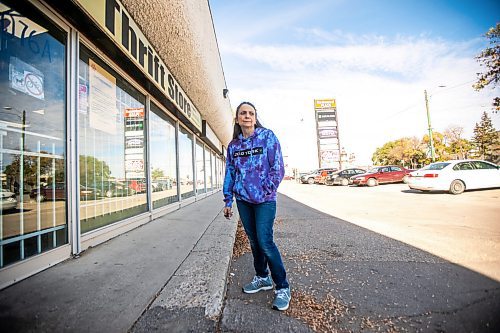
(228, 212)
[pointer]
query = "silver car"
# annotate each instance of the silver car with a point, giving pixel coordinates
(8, 200)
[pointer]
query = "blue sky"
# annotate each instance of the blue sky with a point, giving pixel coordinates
(374, 57)
(455, 19)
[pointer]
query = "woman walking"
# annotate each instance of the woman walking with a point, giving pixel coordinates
(254, 170)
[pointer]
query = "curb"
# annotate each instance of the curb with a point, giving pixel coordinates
(201, 279)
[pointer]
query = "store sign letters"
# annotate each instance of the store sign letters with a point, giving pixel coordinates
(112, 16)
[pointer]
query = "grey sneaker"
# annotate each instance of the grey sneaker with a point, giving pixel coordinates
(282, 299)
(258, 284)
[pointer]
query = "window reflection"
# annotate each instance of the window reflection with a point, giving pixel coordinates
(112, 145)
(208, 169)
(163, 158)
(32, 135)
(214, 171)
(200, 169)
(186, 163)
(222, 172)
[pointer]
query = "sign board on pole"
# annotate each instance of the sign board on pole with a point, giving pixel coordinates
(327, 132)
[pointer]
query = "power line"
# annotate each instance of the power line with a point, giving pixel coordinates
(452, 87)
(418, 103)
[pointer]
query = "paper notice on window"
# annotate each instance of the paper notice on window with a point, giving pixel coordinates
(83, 98)
(102, 99)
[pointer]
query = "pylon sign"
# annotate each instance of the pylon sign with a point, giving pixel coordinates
(327, 131)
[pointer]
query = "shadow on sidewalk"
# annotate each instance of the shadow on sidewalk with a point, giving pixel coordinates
(347, 278)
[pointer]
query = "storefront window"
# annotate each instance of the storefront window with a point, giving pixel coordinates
(33, 192)
(214, 172)
(208, 169)
(186, 163)
(221, 171)
(200, 169)
(112, 145)
(163, 158)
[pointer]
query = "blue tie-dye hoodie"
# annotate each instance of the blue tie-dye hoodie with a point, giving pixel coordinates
(254, 168)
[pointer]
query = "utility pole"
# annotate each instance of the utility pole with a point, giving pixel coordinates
(431, 140)
(23, 133)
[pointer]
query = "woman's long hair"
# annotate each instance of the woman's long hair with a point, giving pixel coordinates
(237, 128)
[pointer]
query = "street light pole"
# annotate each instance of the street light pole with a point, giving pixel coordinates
(431, 141)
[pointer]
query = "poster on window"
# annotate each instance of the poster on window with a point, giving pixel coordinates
(102, 99)
(26, 78)
(83, 98)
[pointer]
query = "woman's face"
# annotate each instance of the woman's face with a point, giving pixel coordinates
(246, 117)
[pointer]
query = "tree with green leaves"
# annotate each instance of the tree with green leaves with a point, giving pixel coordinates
(51, 169)
(157, 173)
(490, 58)
(404, 151)
(485, 140)
(439, 147)
(93, 171)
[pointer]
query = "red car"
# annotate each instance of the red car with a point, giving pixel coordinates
(382, 174)
(320, 178)
(57, 191)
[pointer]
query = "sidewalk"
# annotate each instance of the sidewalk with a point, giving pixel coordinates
(173, 266)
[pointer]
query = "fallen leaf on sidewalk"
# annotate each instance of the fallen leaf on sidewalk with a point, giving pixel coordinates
(320, 315)
(241, 244)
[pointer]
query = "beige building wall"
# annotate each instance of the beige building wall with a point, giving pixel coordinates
(183, 35)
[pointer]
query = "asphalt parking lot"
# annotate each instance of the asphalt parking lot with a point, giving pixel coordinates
(462, 229)
(346, 278)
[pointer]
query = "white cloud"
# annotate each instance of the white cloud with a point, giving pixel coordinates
(378, 84)
(403, 56)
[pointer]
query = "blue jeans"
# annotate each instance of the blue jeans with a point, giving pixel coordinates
(258, 220)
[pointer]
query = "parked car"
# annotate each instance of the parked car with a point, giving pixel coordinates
(8, 200)
(115, 188)
(343, 177)
(87, 193)
(321, 178)
(455, 176)
(138, 185)
(161, 185)
(308, 178)
(57, 191)
(382, 174)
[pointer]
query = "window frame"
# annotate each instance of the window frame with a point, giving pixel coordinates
(59, 253)
(175, 122)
